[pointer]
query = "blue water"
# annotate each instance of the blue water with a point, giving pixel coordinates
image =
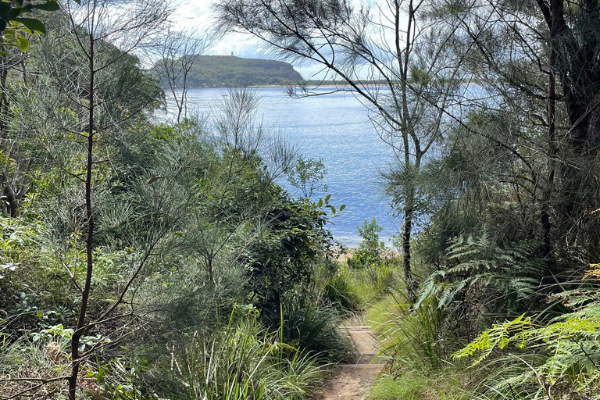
(336, 129)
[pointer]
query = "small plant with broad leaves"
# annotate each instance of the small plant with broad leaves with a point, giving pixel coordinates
(15, 26)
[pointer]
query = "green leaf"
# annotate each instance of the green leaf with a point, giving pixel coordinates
(327, 198)
(33, 24)
(342, 207)
(22, 43)
(22, 10)
(48, 6)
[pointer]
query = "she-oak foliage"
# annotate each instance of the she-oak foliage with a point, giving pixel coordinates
(131, 233)
(130, 244)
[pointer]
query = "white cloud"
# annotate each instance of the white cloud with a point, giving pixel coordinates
(198, 15)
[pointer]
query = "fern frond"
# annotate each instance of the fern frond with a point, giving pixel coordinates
(499, 336)
(431, 287)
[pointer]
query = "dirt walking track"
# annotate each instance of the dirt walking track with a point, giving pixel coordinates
(353, 381)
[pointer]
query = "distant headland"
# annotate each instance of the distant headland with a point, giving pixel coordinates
(232, 71)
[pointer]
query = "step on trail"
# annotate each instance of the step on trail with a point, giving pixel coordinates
(353, 381)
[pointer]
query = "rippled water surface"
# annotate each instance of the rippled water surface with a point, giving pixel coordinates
(335, 128)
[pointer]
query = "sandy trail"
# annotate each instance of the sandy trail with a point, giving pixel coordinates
(353, 381)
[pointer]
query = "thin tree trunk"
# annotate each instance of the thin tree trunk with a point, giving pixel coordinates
(3, 97)
(405, 126)
(209, 265)
(406, 255)
(545, 208)
(79, 330)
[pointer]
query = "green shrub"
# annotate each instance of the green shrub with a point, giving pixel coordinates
(340, 290)
(370, 248)
(313, 327)
(243, 362)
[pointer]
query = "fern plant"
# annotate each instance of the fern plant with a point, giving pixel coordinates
(511, 270)
(567, 350)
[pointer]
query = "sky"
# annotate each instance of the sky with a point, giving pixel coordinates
(197, 14)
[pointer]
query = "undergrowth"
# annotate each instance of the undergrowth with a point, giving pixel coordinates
(444, 385)
(415, 367)
(416, 353)
(555, 360)
(355, 289)
(245, 362)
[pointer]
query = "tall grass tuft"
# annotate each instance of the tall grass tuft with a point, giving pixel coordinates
(312, 325)
(340, 290)
(381, 276)
(354, 289)
(413, 333)
(245, 362)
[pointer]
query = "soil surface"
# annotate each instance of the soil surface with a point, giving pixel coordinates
(353, 381)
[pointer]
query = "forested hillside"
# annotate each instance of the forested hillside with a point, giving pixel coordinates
(146, 259)
(232, 71)
(141, 259)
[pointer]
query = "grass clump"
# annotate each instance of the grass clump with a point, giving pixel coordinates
(341, 290)
(407, 387)
(418, 386)
(311, 323)
(355, 289)
(243, 362)
(407, 333)
(380, 314)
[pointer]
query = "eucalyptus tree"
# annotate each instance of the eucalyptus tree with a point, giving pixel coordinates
(393, 44)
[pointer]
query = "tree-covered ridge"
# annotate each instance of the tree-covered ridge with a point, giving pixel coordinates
(232, 71)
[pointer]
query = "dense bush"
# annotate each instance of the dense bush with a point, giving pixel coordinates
(313, 325)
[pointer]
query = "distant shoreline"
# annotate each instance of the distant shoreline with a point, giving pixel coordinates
(310, 83)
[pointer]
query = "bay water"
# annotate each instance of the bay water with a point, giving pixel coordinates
(335, 128)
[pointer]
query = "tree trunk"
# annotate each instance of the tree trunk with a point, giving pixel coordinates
(545, 207)
(80, 328)
(209, 266)
(3, 97)
(406, 257)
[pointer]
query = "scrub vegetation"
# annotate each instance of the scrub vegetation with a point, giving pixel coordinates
(146, 259)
